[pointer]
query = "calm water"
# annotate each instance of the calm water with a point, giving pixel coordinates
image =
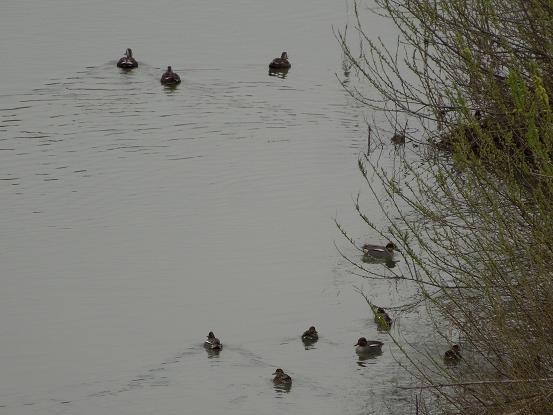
(135, 219)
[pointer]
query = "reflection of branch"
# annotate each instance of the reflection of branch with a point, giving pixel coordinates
(394, 277)
(402, 308)
(479, 382)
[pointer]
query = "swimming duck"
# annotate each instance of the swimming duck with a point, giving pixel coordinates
(398, 139)
(213, 342)
(127, 61)
(382, 318)
(310, 335)
(453, 355)
(170, 77)
(281, 378)
(364, 346)
(280, 63)
(378, 251)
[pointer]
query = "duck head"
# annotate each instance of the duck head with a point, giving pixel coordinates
(169, 70)
(210, 335)
(279, 372)
(390, 247)
(128, 53)
(312, 330)
(284, 56)
(361, 342)
(380, 310)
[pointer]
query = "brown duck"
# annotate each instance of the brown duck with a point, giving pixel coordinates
(170, 77)
(280, 63)
(127, 61)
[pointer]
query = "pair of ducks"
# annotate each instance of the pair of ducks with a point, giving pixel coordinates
(128, 62)
(363, 346)
(281, 379)
(213, 343)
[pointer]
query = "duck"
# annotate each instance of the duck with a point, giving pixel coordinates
(310, 335)
(212, 342)
(453, 355)
(127, 61)
(382, 318)
(378, 251)
(280, 63)
(281, 378)
(398, 139)
(365, 347)
(170, 77)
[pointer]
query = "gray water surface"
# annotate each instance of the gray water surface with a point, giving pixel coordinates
(135, 219)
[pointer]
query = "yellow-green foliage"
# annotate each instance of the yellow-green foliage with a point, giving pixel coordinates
(475, 224)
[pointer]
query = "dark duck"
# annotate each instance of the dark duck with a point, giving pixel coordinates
(212, 342)
(170, 78)
(127, 61)
(282, 379)
(280, 63)
(310, 335)
(453, 355)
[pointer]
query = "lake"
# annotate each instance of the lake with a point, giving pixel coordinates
(135, 219)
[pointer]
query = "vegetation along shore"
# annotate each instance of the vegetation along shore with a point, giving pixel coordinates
(468, 85)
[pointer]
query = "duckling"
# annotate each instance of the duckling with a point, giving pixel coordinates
(280, 63)
(382, 318)
(378, 251)
(212, 342)
(365, 347)
(281, 378)
(127, 61)
(453, 355)
(170, 77)
(310, 335)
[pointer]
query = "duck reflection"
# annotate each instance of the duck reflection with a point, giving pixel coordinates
(389, 262)
(212, 353)
(284, 388)
(309, 344)
(170, 89)
(279, 73)
(365, 360)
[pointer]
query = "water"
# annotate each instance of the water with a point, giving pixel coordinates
(135, 219)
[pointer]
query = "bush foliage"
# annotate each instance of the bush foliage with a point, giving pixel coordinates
(472, 78)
